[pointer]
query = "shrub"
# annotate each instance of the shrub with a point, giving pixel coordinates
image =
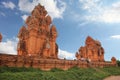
(56, 69)
(75, 73)
(74, 68)
(15, 69)
(118, 63)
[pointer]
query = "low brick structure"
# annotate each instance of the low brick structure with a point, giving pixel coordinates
(47, 64)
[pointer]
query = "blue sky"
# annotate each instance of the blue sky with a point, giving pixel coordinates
(74, 19)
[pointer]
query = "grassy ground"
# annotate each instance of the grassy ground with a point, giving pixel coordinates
(57, 74)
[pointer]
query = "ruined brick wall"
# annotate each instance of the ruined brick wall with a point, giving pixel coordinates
(47, 64)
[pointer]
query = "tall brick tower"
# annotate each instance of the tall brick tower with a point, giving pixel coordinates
(38, 36)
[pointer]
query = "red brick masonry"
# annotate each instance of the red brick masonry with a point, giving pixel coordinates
(47, 64)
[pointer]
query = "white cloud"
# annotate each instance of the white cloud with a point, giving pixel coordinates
(9, 46)
(26, 5)
(9, 5)
(65, 54)
(110, 16)
(98, 12)
(89, 5)
(83, 24)
(24, 17)
(115, 37)
(51, 6)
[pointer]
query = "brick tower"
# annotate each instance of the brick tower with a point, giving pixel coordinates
(38, 36)
(92, 50)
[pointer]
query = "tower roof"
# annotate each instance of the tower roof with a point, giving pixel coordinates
(39, 11)
(53, 28)
(89, 40)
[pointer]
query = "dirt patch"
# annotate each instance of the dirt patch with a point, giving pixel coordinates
(112, 78)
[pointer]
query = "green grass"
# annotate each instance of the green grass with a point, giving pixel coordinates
(75, 73)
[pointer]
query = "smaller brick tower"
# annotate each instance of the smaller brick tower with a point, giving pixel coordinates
(92, 50)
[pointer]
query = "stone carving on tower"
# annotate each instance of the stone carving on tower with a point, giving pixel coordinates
(38, 37)
(92, 50)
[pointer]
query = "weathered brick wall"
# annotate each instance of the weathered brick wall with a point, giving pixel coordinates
(47, 64)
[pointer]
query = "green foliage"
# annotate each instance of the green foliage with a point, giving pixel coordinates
(75, 73)
(118, 63)
(112, 70)
(56, 69)
(74, 68)
(15, 69)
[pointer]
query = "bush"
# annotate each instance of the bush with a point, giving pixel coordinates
(118, 63)
(15, 69)
(74, 68)
(56, 69)
(75, 73)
